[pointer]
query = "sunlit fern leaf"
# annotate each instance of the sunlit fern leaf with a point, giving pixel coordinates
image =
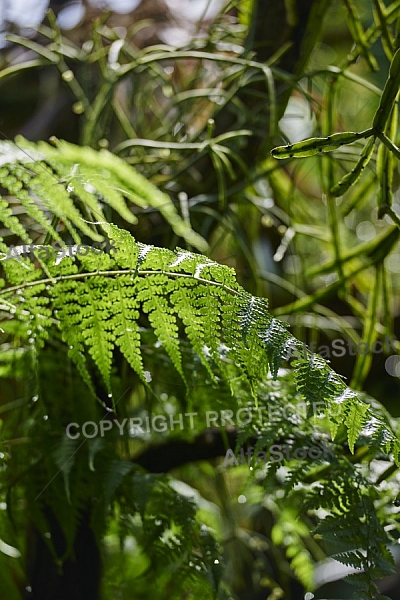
(83, 309)
(91, 185)
(355, 419)
(57, 199)
(183, 300)
(316, 380)
(124, 320)
(114, 179)
(10, 221)
(274, 336)
(97, 302)
(252, 312)
(153, 297)
(209, 306)
(125, 250)
(17, 181)
(381, 435)
(71, 182)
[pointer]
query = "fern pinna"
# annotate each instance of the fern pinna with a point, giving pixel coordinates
(95, 306)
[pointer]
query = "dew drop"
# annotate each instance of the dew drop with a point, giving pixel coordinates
(89, 188)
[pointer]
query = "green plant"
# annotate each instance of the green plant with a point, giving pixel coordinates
(139, 329)
(97, 305)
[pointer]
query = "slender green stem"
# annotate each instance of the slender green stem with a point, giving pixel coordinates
(389, 144)
(113, 273)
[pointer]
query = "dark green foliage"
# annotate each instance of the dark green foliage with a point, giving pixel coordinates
(99, 327)
(99, 303)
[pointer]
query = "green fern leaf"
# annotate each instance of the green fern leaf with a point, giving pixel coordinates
(154, 303)
(123, 322)
(128, 182)
(83, 309)
(64, 459)
(355, 419)
(183, 300)
(275, 336)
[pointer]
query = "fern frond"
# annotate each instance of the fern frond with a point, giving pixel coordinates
(124, 322)
(355, 419)
(275, 336)
(91, 177)
(184, 302)
(152, 295)
(64, 459)
(99, 300)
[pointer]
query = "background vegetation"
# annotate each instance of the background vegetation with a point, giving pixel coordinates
(199, 120)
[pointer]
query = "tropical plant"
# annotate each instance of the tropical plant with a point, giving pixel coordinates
(109, 328)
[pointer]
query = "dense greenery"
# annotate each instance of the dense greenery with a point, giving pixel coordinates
(117, 307)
